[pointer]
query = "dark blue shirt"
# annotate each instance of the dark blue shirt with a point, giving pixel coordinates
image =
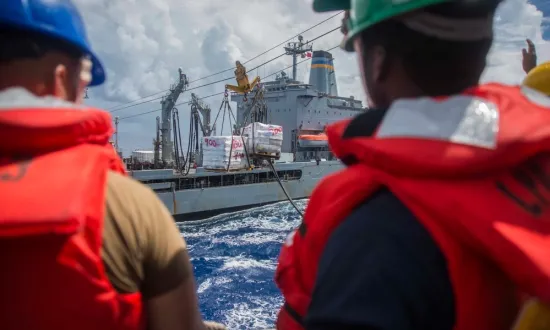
(382, 270)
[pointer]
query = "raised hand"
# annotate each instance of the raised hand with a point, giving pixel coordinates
(529, 56)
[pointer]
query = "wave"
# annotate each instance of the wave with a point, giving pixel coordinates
(234, 256)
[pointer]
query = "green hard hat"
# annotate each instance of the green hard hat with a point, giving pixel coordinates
(366, 13)
(331, 5)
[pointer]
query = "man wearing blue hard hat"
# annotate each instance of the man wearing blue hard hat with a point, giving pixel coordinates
(83, 246)
(440, 219)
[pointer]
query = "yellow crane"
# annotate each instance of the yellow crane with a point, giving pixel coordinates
(243, 85)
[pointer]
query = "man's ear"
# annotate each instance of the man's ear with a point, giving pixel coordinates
(379, 63)
(60, 82)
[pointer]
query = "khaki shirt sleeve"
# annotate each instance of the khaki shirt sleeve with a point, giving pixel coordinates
(142, 247)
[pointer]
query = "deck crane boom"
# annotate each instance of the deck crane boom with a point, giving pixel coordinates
(198, 106)
(168, 102)
(244, 86)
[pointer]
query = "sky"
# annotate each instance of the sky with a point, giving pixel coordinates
(142, 43)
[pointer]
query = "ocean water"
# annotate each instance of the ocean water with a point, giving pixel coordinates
(234, 257)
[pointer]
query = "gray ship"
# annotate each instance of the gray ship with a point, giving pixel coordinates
(303, 110)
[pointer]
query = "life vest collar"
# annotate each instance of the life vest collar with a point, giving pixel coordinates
(38, 124)
(413, 137)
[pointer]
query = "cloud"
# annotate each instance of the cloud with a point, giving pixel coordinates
(143, 42)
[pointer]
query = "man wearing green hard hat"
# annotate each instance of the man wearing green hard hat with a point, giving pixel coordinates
(441, 218)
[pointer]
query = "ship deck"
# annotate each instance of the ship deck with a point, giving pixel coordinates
(204, 194)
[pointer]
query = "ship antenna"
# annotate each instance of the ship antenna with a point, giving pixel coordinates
(296, 48)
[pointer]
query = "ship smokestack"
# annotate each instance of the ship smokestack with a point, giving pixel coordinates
(322, 75)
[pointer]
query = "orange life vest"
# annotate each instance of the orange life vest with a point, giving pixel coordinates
(474, 169)
(53, 170)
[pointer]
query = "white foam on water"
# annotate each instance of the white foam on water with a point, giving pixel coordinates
(259, 314)
(212, 282)
(246, 263)
(240, 250)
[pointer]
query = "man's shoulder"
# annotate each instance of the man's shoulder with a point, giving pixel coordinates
(129, 201)
(126, 192)
(117, 182)
(140, 239)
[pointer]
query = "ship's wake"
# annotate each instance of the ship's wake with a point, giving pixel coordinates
(234, 257)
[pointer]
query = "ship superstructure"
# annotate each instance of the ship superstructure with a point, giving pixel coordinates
(303, 110)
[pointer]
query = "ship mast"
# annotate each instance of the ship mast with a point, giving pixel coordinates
(168, 102)
(296, 48)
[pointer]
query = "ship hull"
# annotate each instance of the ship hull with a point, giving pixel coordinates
(202, 203)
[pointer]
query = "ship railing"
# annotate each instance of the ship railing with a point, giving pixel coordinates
(234, 179)
(224, 180)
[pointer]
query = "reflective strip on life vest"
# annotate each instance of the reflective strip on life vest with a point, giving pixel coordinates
(460, 119)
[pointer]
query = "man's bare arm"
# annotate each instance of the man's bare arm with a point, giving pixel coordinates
(144, 251)
(176, 309)
(171, 300)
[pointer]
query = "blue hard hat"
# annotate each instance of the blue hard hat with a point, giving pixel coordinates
(58, 19)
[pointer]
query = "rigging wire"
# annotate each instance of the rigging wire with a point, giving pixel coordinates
(229, 69)
(259, 94)
(178, 143)
(272, 48)
(284, 190)
(225, 79)
(216, 94)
